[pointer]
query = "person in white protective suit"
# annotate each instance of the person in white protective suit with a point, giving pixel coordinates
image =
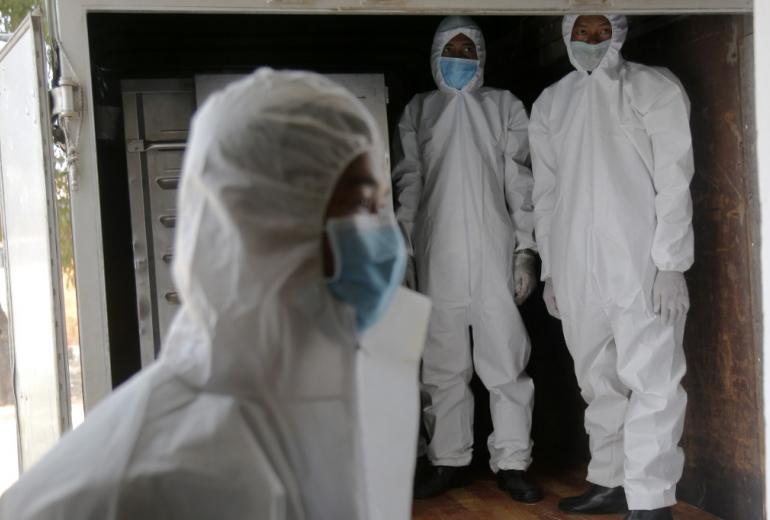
(612, 160)
(464, 203)
(250, 412)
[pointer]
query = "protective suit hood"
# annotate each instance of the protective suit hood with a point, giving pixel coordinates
(450, 27)
(263, 159)
(612, 59)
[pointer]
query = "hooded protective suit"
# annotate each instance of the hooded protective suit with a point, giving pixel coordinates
(464, 201)
(251, 411)
(612, 160)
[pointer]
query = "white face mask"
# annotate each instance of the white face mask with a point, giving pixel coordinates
(589, 56)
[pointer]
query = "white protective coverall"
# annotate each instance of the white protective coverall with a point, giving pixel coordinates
(464, 197)
(251, 410)
(612, 160)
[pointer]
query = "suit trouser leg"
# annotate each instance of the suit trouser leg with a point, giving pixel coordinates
(589, 337)
(500, 353)
(651, 364)
(446, 372)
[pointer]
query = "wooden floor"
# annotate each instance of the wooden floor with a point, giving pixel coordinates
(483, 501)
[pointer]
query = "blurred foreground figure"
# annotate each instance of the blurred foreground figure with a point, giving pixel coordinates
(612, 159)
(282, 258)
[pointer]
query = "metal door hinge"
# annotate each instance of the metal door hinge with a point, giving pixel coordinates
(66, 100)
(67, 108)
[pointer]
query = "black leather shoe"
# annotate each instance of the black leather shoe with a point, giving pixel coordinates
(516, 484)
(664, 513)
(437, 480)
(598, 500)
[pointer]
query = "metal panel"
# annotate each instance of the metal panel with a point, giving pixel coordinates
(164, 169)
(414, 6)
(36, 315)
(157, 119)
(166, 115)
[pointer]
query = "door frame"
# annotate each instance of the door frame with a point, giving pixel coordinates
(72, 35)
(75, 58)
(71, 31)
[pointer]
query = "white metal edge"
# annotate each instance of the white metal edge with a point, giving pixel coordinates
(55, 253)
(417, 6)
(86, 216)
(762, 85)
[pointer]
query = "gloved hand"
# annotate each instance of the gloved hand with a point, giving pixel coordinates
(550, 299)
(523, 275)
(410, 278)
(670, 298)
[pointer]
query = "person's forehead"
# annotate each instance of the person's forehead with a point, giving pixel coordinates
(592, 20)
(461, 38)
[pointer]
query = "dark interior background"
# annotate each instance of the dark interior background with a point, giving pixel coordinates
(710, 54)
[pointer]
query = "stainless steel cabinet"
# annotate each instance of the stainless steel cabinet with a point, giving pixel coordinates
(157, 120)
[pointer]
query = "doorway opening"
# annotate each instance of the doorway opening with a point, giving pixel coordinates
(713, 57)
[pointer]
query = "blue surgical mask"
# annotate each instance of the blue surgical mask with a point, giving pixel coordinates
(588, 55)
(370, 260)
(458, 72)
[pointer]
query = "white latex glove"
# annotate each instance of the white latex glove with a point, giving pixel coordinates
(550, 299)
(523, 275)
(410, 278)
(670, 298)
